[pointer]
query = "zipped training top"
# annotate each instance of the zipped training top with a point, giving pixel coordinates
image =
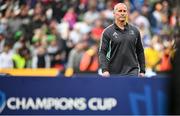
(121, 51)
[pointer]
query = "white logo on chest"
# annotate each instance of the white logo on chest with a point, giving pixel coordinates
(115, 35)
(131, 32)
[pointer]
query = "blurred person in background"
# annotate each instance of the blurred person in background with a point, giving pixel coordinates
(107, 14)
(21, 58)
(121, 51)
(74, 59)
(41, 59)
(140, 20)
(153, 55)
(165, 63)
(6, 56)
(75, 35)
(56, 52)
(91, 14)
(2, 41)
(157, 14)
(70, 17)
(89, 61)
(97, 30)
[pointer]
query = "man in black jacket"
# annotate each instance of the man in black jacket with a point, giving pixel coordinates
(121, 51)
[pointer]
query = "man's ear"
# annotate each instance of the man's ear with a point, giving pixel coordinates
(127, 19)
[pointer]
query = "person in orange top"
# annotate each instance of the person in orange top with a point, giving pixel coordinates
(165, 61)
(89, 62)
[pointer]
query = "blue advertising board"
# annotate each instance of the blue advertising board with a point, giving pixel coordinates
(83, 95)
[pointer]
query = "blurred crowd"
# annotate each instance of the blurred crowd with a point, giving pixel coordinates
(65, 34)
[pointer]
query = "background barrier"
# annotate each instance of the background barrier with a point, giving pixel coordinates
(46, 72)
(83, 95)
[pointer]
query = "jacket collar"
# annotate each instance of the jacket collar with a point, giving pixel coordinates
(125, 27)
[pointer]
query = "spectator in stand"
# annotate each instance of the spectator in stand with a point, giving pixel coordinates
(38, 18)
(89, 61)
(143, 23)
(157, 13)
(41, 59)
(92, 14)
(74, 59)
(108, 11)
(75, 35)
(97, 30)
(2, 42)
(21, 58)
(6, 55)
(165, 63)
(70, 17)
(173, 18)
(152, 57)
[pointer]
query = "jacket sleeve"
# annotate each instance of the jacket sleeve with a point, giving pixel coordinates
(140, 53)
(103, 49)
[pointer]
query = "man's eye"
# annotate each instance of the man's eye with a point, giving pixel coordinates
(122, 11)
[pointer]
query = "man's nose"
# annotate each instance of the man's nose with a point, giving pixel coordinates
(122, 14)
